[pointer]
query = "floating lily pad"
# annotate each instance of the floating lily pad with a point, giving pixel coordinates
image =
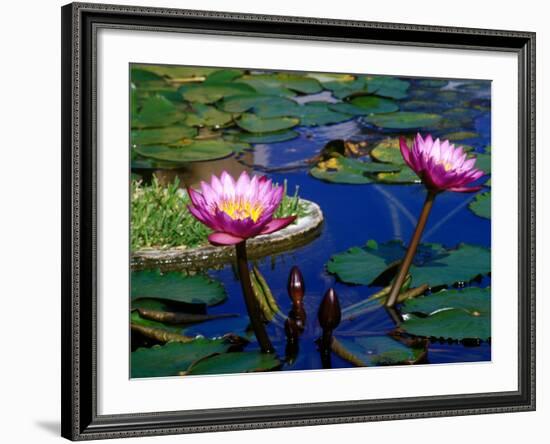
(481, 205)
(404, 120)
(173, 358)
(405, 176)
(281, 83)
(345, 87)
(136, 319)
(455, 314)
(205, 115)
(223, 76)
(166, 135)
(483, 162)
(374, 104)
(387, 86)
(433, 264)
(388, 151)
(318, 113)
(255, 124)
(239, 362)
(157, 111)
(195, 151)
(212, 92)
(347, 170)
(177, 72)
(369, 351)
(324, 78)
(276, 136)
(261, 105)
(139, 75)
(176, 287)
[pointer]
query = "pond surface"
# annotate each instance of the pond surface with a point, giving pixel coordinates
(354, 214)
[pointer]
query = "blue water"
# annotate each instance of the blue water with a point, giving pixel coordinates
(354, 214)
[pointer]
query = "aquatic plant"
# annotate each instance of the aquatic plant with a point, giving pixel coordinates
(237, 211)
(160, 218)
(441, 167)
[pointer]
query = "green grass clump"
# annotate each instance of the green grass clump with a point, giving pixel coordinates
(160, 218)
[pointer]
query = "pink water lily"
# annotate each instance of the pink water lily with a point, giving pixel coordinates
(238, 210)
(440, 165)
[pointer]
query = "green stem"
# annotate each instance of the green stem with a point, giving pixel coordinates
(413, 245)
(251, 305)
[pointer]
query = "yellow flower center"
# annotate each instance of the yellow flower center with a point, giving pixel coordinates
(240, 209)
(446, 165)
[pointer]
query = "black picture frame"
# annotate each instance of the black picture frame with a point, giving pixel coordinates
(79, 170)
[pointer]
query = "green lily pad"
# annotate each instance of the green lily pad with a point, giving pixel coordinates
(166, 135)
(223, 76)
(387, 86)
(212, 92)
(481, 205)
(239, 362)
(176, 287)
(324, 78)
(140, 75)
(282, 84)
(346, 87)
(173, 358)
(405, 176)
(454, 314)
(176, 71)
(318, 113)
(261, 105)
(388, 151)
(404, 120)
(368, 105)
(483, 162)
(195, 151)
(255, 124)
(433, 264)
(157, 111)
(276, 136)
(369, 351)
(136, 319)
(205, 115)
(347, 170)
(458, 136)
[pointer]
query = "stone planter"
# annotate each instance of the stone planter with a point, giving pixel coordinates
(296, 235)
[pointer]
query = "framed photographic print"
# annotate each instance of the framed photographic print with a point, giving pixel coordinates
(278, 221)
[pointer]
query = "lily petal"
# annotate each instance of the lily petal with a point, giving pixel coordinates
(277, 224)
(220, 239)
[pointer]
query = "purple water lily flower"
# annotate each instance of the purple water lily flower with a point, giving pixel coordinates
(238, 210)
(440, 165)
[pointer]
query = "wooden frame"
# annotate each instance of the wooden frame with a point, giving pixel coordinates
(79, 392)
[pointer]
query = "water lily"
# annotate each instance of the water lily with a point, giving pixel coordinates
(440, 164)
(238, 210)
(442, 167)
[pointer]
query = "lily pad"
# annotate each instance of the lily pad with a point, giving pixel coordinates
(318, 113)
(454, 314)
(483, 162)
(255, 124)
(261, 105)
(173, 358)
(157, 111)
(166, 135)
(369, 105)
(205, 115)
(177, 72)
(387, 86)
(195, 151)
(276, 136)
(212, 92)
(404, 120)
(345, 87)
(176, 287)
(281, 83)
(347, 170)
(369, 351)
(388, 151)
(405, 176)
(481, 205)
(223, 75)
(239, 362)
(433, 264)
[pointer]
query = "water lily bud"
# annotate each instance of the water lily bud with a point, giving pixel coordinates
(329, 311)
(296, 287)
